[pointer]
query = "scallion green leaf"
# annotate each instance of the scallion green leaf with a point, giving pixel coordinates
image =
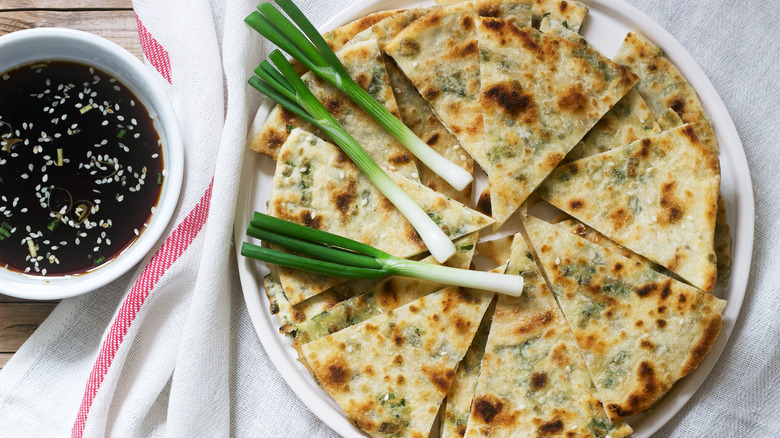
(328, 254)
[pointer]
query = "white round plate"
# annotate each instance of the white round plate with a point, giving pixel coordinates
(606, 26)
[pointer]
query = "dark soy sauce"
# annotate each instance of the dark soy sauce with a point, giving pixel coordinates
(81, 168)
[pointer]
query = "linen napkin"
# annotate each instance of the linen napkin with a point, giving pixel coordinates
(169, 350)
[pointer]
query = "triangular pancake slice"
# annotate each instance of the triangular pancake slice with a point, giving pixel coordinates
(457, 405)
(415, 112)
(663, 86)
(317, 185)
(639, 331)
(540, 95)
(390, 373)
(533, 381)
(388, 28)
(439, 54)
(365, 65)
(657, 196)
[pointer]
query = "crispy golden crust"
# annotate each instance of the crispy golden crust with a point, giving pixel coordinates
(439, 54)
(540, 95)
(662, 86)
(387, 29)
(339, 37)
(656, 196)
(533, 381)
(639, 330)
(317, 185)
(391, 372)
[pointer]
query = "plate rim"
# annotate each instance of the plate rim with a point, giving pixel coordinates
(741, 220)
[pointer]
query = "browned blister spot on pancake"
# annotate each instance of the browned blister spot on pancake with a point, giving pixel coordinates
(398, 359)
(510, 99)
(431, 93)
(396, 335)
(490, 410)
(678, 105)
(311, 221)
(441, 378)
(576, 204)
(388, 295)
(672, 209)
(550, 428)
(667, 289)
(298, 315)
(620, 217)
(647, 344)
(469, 49)
(534, 322)
(401, 158)
(344, 199)
(334, 375)
(704, 344)
(408, 47)
(550, 161)
(333, 106)
(538, 381)
(646, 289)
(412, 235)
(649, 389)
(433, 139)
(462, 325)
(644, 149)
(660, 323)
(467, 22)
(560, 355)
(362, 80)
(573, 100)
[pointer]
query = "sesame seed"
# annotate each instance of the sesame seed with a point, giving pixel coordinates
(610, 164)
(557, 260)
(364, 202)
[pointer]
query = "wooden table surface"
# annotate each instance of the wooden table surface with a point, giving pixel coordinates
(111, 19)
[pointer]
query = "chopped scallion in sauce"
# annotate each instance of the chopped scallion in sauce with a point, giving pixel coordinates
(76, 155)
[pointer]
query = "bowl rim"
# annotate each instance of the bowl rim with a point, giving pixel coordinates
(147, 89)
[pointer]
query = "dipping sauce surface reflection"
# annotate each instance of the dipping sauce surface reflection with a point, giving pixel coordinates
(81, 168)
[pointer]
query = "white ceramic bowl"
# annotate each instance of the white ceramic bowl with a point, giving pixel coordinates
(49, 44)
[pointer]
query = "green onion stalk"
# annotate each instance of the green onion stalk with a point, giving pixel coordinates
(287, 89)
(329, 254)
(305, 44)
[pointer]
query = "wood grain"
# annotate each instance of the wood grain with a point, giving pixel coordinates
(117, 26)
(18, 321)
(4, 358)
(65, 4)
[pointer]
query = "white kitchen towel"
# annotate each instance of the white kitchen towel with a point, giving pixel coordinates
(170, 350)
